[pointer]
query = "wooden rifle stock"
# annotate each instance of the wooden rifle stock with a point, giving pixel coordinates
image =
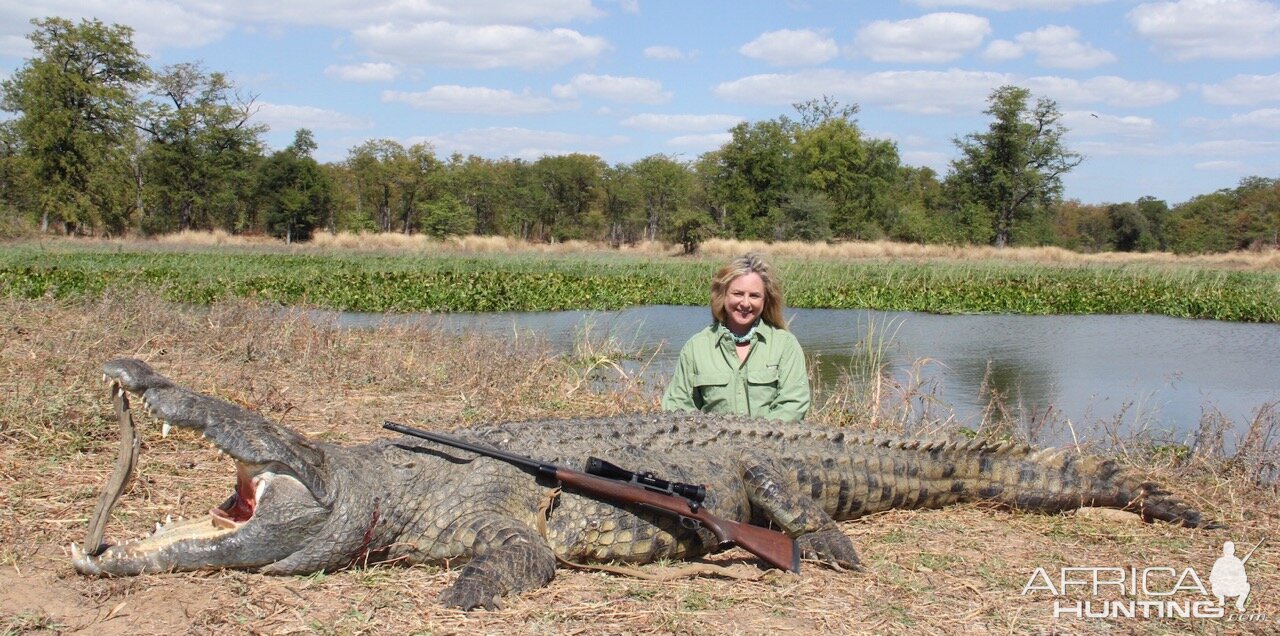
(775, 548)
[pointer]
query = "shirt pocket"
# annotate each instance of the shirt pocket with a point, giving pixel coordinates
(762, 385)
(715, 391)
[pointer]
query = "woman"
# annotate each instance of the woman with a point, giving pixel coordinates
(745, 362)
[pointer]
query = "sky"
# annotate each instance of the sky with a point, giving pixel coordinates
(1168, 99)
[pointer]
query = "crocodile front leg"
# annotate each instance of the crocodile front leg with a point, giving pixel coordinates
(509, 558)
(798, 515)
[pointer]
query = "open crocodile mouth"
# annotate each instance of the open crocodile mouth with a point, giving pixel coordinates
(94, 556)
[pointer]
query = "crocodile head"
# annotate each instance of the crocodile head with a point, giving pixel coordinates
(280, 507)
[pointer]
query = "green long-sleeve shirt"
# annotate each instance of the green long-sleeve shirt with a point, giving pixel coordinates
(772, 383)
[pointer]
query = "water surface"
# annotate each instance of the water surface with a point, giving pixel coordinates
(1142, 370)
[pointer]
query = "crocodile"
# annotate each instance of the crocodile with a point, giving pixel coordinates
(302, 506)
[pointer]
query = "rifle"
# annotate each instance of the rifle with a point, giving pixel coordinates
(612, 483)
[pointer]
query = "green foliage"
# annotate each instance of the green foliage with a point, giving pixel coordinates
(532, 283)
(295, 192)
(201, 154)
(858, 176)
(1015, 168)
(807, 217)
(572, 186)
(391, 180)
(664, 186)
(754, 174)
(446, 216)
(690, 228)
(1243, 218)
(75, 103)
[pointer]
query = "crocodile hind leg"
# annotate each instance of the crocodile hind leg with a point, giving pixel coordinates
(797, 514)
(510, 557)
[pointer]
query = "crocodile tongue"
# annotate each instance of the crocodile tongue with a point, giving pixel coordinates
(238, 508)
(126, 462)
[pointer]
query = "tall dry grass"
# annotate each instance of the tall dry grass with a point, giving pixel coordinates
(716, 249)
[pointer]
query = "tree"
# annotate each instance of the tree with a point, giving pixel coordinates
(1202, 225)
(572, 184)
(18, 188)
(857, 176)
(754, 174)
(1258, 217)
(76, 99)
(1014, 169)
(622, 205)
(482, 186)
(203, 149)
(371, 163)
(296, 194)
(394, 179)
(446, 216)
(663, 185)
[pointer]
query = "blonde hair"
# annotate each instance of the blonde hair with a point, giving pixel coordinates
(751, 262)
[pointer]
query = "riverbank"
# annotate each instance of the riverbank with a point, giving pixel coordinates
(536, 279)
(958, 570)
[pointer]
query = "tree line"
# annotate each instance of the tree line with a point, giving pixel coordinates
(100, 143)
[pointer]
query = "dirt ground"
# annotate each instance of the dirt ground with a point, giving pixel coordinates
(960, 570)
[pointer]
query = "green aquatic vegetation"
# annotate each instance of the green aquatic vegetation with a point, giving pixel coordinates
(536, 282)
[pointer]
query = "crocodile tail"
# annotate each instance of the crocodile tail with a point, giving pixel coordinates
(1105, 482)
(1153, 501)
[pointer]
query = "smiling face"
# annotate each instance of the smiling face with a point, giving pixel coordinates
(743, 302)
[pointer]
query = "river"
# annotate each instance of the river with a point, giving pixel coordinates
(1136, 370)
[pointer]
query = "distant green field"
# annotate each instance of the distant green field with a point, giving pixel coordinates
(534, 282)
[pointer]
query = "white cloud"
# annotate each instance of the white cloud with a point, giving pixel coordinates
(486, 46)
(700, 143)
(1234, 147)
(681, 123)
(1262, 119)
(1243, 90)
(1104, 89)
(938, 92)
(1215, 29)
(1060, 47)
(791, 47)
(292, 117)
(523, 143)
(926, 92)
(1220, 166)
(179, 24)
(664, 53)
(629, 90)
(157, 24)
(476, 100)
(1003, 50)
(1009, 5)
(366, 72)
(353, 15)
(932, 38)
